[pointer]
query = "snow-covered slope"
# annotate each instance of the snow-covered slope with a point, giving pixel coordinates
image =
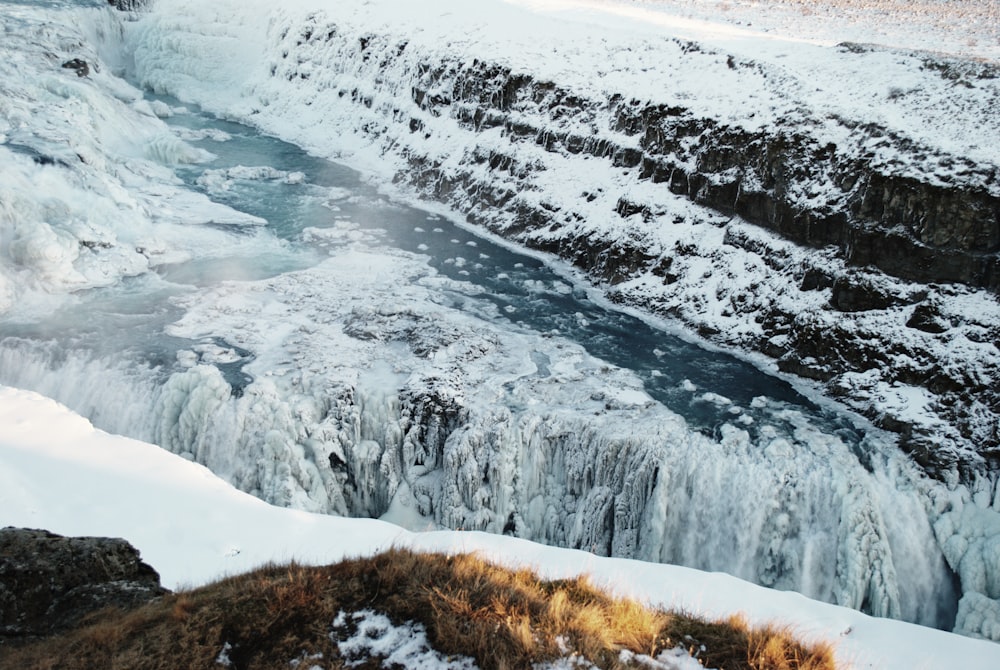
(58, 472)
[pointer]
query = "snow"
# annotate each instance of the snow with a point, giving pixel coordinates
(587, 47)
(403, 645)
(58, 472)
(968, 28)
(406, 645)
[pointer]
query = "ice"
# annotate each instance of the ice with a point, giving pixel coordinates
(86, 196)
(978, 616)
(170, 149)
(969, 533)
(370, 393)
(215, 181)
(213, 134)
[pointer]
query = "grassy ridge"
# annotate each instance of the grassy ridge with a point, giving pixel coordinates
(503, 619)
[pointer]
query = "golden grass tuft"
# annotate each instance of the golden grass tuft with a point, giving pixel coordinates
(504, 619)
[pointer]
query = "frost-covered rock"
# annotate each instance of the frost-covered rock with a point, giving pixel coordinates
(129, 5)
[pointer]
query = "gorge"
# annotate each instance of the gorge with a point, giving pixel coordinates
(186, 279)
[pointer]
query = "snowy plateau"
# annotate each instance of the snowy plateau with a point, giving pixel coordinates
(783, 223)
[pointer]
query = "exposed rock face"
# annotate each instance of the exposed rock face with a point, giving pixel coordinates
(48, 583)
(923, 229)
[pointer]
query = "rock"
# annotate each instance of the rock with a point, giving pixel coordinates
(49, 583)
(815, 280)
(851, 294)
(79, 65)
(926, 317)
(128, 5)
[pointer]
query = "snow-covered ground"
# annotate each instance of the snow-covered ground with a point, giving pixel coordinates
(967, 28)
(58, 472)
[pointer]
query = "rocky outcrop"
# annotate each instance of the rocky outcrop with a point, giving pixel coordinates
(78, 65)
(128, 5)
(49, 583)
(915, 226)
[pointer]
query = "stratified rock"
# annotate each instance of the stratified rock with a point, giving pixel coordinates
(49, 583)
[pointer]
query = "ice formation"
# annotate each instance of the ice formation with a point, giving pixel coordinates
(88, 195)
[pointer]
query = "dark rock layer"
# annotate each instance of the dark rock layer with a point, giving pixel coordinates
(49, 583)
(910, 228)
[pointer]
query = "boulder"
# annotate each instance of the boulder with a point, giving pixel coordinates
(49, 583)
(78, 65)
(128, 5)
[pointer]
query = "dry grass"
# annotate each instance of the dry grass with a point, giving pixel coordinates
(503, 619)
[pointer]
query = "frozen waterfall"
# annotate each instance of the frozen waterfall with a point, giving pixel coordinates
(372, 389)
